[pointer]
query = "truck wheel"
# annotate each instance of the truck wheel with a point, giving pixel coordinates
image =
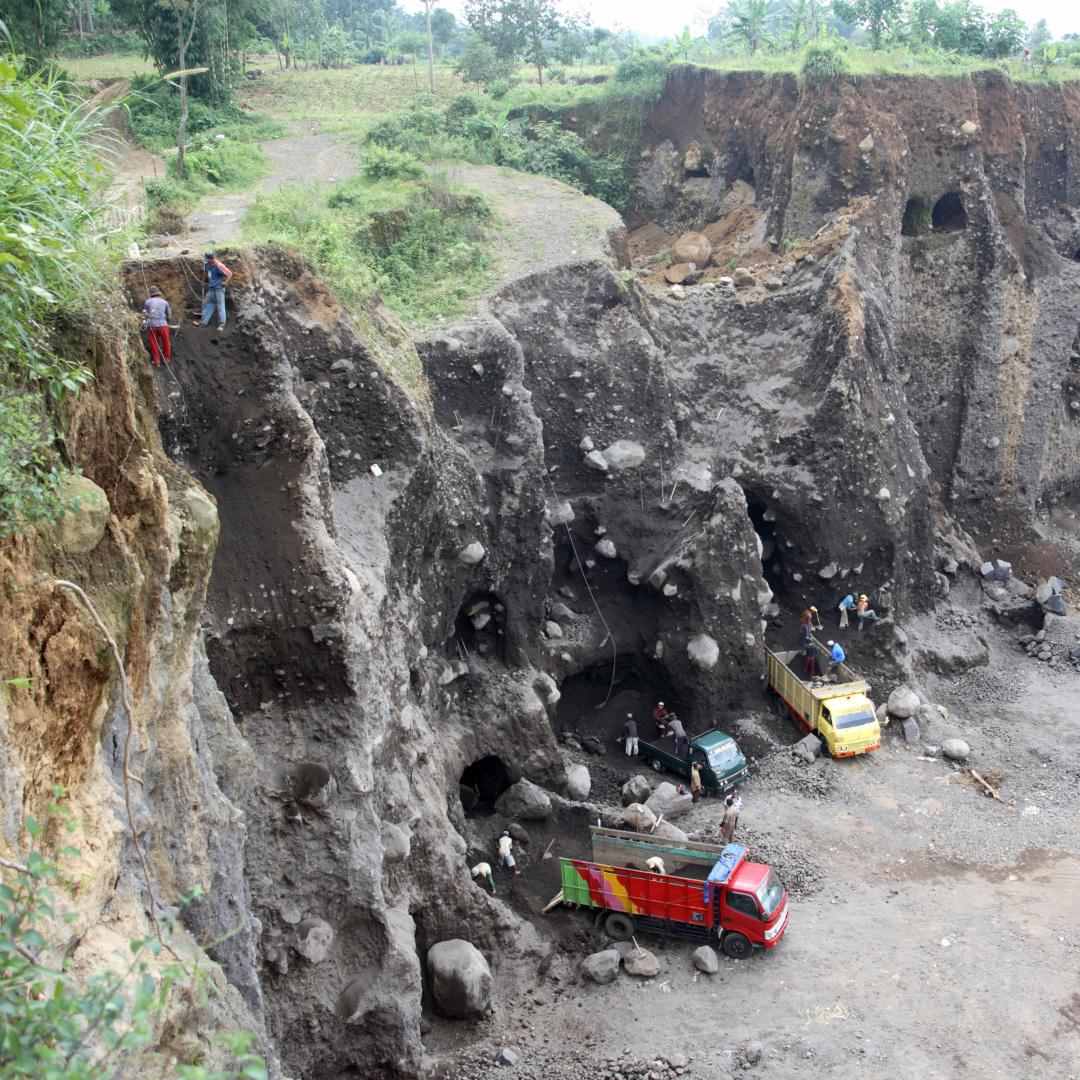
(620, 927)
(736, 946)
(657, 767)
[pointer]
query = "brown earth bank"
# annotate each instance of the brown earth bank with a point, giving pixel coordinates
(356, 616)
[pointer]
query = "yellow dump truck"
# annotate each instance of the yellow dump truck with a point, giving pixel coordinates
(839, 711)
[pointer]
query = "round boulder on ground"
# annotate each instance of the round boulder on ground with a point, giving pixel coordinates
(525, 802)
(692, 247)
(639, 818)
(903, 702)
(638, 961)
(706, 960)
(460, 979)
(601, 967)
(667, 802)
(636, 790)
(956, 749)
(578, 782)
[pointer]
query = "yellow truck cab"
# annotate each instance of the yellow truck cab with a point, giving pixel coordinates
(840, 713)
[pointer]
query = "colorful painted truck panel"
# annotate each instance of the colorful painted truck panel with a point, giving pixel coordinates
(741, 904)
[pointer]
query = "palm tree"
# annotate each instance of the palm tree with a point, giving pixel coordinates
(752, 21)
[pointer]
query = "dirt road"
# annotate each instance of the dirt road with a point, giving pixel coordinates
(295, 159)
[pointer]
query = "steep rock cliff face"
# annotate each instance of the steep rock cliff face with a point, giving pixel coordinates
(963, 200)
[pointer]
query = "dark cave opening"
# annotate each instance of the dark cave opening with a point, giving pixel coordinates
(596, 702)
(483, 782)
(480, 626)
(949, 214)
(917, 217)
(772, 560)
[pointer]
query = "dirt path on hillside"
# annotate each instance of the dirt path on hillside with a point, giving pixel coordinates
(542, 223)
(296, 159)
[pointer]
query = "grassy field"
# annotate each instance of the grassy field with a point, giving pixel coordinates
(108, 66)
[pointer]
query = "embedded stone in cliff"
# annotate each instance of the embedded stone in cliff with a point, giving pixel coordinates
(524, 801)
(867, 144)
(624, 454)
(560, 512)
(86, 518)
(949, 214)
(830, 570)
(683, 274)
(692, 247)
(471, 554)
(578, 782)
(313, 940)
(703, 652)
(969, 127)
(694, 161)
(396, 842)
(607, 549)
(552, 629)
(460, 979)
(312, 783)
(596, 461)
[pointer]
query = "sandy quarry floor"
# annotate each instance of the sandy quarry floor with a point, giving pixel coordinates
(935, 933)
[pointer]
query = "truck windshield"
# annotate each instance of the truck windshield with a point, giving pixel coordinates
(855, 719)
(770, 893)
(724, 756)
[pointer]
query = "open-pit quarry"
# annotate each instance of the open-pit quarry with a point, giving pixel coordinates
(371, 622)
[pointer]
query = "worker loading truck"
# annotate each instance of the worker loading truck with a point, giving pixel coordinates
(838, 709)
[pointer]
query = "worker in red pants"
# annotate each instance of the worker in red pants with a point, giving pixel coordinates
(156, 316)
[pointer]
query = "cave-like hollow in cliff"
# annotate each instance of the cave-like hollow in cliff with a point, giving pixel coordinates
(483, 782)
(949, 214)
(480, 626)
(596, 702)
(763, 518)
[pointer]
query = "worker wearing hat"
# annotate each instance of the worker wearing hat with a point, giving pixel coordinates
(217, 276)
(156, 316)
(506, 852)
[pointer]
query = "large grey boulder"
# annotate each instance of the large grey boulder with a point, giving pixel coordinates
(596, 461)
(692, 247)
(703, 651)
(903, 702)
(706, 960)
(601, 967)
(460, 979)
(314, 937)
(671, 833)
(471, 554)
(85, 518)
(956, 749)
(636, 790)
(667, 801)
(578, 782)
(639, 818)
(624, 454)
(524, 801)
(638, 961)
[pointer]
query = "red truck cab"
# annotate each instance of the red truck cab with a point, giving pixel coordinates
(740, 904)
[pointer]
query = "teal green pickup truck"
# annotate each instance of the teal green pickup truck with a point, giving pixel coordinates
(722, 763)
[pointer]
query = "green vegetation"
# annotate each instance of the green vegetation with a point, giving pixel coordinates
(49, 261)
(55, 1028)
(419, 244)
(823, 63)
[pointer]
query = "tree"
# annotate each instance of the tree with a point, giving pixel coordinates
(802, 20)
(185, 31)
(683, 45)
(1039, 36)
(1005, 34)
(877, 16)
(752, 22)
(481, 64)
(922, 17)
(961, 27)
(36, 25)
(428, 5)
(518, 28)
(443, 27)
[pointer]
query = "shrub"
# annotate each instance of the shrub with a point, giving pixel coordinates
(481, 65)
(642, 67)
(459, 110)
(386, 163)
(223, 163)
(499, 88)
(823, 63)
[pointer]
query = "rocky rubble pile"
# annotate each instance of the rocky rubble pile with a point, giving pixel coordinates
(1053, 653)
(576, 1066)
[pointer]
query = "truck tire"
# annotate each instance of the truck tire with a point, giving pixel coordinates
(656, 764)
(736, 946)
(620, 927)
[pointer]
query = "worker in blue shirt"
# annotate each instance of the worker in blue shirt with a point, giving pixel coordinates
(836, 656)
(217, 277)
(847, 606)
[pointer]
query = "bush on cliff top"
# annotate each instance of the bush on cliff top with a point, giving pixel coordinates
(824, 63)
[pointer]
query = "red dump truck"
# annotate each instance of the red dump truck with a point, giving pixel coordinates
(740, 904)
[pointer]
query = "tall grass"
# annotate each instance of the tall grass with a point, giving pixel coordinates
(49, 261)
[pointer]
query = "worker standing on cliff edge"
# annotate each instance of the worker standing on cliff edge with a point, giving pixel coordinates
(156, 315)
(217, 277)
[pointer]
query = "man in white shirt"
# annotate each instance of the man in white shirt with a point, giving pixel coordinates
(506, 852)
(482, 874)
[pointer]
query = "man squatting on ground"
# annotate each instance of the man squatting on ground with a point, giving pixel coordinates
(156, 315)
(482, 874)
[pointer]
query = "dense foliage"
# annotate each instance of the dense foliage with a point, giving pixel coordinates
(56, 1028)
(47, 221)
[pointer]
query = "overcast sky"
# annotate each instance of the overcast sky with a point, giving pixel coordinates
(667, 19)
